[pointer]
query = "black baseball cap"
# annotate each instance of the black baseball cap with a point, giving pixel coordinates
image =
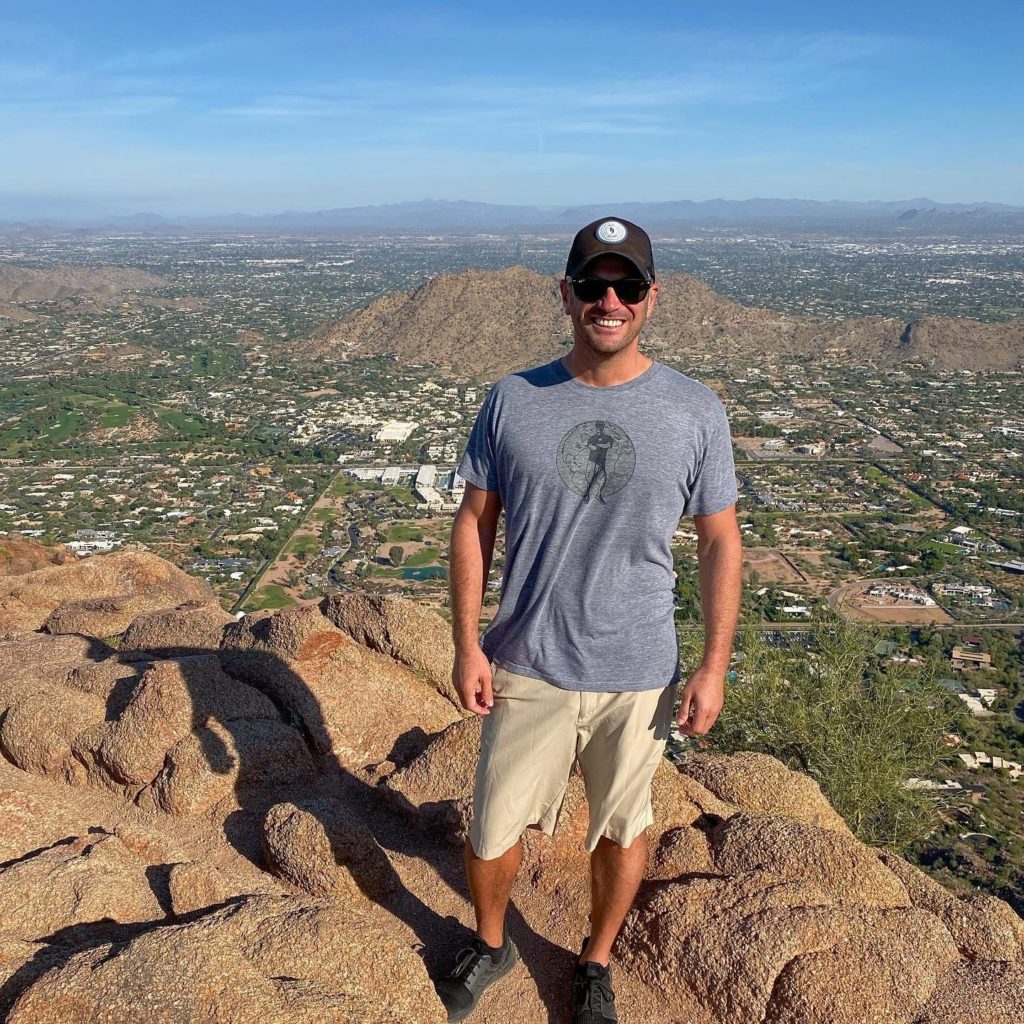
(611, 236)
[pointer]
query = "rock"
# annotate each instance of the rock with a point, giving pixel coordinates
(40, 728)
(323, 849)
(785, 961)
(32, 660)
(130, 582)
(757, 905)
(195, 886)
(85, 748)
(885, 966)
(22, 554)
(677, 800)
(209, 766)
(677, 852)
(354, 704)
(263, 960)
(21, 962)
(665, 914)
(29, 824)
(172, 699)
(147, 842)
(112, 680)
(436, 787)
(157, 978)
(753, 945)
(178, 632)
(763, 785)
(92, 878)
(846, 870)
(983, 927)
(985, 992)
(403, 630)
(93, 616)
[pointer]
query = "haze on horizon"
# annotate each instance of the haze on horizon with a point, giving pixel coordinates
(208, 109)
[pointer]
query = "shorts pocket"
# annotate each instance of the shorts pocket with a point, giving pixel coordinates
(498, 678)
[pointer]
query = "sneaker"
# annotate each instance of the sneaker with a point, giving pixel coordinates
(476, 968)
(593, 1001)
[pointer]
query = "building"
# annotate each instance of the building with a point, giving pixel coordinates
(396, 431)
(964, 660)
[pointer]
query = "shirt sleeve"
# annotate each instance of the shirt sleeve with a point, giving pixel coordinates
(714, 488)
(479, 465)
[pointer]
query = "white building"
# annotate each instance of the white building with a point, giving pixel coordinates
(396, 431)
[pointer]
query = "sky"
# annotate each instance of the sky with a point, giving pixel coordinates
(219, 106)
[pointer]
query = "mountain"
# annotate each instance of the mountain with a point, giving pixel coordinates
(24, 284)
(463, 216)
(208, 821)
(748, 210)
(435, 216)
(488, 322)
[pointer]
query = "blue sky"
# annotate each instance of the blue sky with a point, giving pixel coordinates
(217, 107)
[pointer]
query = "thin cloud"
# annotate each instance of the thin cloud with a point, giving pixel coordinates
(786, 66)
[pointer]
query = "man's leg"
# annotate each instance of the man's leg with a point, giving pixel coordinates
(526, 750)
(622, 742)
(615, 876)
(490, 883)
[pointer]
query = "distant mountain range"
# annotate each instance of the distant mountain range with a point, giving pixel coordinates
(489, 322)
(455, 217)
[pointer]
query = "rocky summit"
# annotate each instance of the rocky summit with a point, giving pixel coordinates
(215, 821)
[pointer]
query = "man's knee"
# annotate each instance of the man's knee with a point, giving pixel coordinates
(621, 843)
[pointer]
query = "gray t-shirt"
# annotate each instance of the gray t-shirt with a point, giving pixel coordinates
(593, 481)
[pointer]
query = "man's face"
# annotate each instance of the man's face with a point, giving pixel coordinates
(608, 325)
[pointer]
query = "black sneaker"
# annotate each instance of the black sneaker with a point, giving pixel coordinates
(593, 1001)
(476, 967)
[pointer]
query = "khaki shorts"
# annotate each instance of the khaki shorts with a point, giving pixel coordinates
(531, 738)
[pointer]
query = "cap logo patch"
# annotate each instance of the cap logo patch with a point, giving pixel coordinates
(611, 231)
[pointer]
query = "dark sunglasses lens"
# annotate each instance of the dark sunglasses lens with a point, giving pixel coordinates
(592, 289)
(631, 289)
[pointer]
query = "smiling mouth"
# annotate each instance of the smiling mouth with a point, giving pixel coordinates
(603, 321)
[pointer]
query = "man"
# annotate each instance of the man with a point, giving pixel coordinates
(581, 660)
(599, 444)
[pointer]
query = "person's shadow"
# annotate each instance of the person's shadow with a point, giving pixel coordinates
(439, 937)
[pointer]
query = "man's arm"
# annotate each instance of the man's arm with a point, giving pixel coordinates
(472, 546)
(720, 562)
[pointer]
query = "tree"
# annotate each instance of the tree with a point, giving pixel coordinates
(826, 709)
(396, 554)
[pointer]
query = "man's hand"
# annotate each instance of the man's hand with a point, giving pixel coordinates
(703, 697)
(472, 680)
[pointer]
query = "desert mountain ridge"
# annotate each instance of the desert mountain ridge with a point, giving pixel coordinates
(27, 284)
(489, 322)
(255, 821)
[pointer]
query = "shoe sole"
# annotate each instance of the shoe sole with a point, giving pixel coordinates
(502, 971)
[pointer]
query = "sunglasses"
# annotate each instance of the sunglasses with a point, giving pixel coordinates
(592, 289)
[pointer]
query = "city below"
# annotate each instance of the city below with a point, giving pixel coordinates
(173, 392)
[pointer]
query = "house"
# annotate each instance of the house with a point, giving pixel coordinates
(964, 660)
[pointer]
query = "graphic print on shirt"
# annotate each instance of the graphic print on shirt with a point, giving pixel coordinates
(596, 459)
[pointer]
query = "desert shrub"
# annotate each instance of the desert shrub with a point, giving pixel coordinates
(824, 706)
